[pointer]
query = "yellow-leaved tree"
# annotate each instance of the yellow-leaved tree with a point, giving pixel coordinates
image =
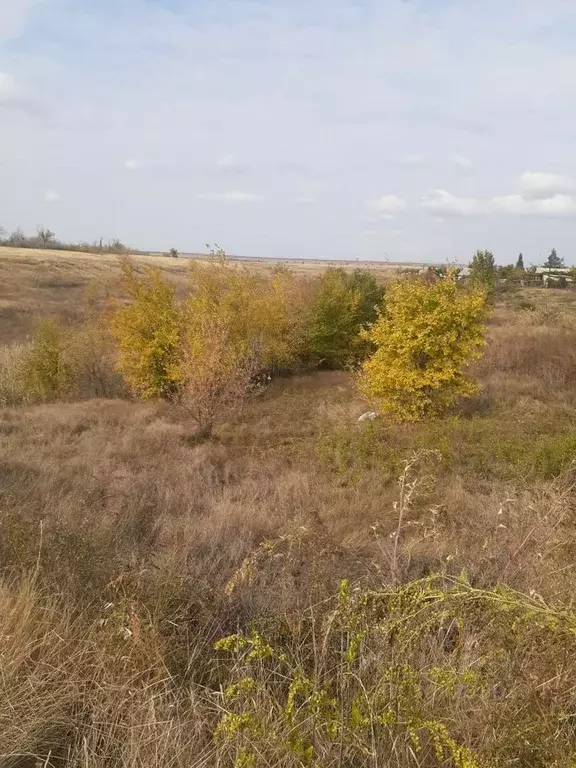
(425, 336)
(210, 351)
(238, 326)
(257, 310)
(46, 371)
(148, 334)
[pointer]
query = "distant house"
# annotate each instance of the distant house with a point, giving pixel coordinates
(552, 271)
(550, 276)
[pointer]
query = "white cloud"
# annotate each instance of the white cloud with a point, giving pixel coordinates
(389, 204)
(444, 203)
(305, 200)
(51, 196)
(7, 86)
(131, 164)
(463, 163)
(231, 197)
(411, 159)
(515, 204)
(12, 97)
(539, 186)
(555, 206)
(226, 161)
(13, 15)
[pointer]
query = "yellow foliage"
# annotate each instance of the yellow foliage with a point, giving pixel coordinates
(207, 352)
(47, 373)
(148, 333)
(216, 372)
(60, 362)
(425, 336)
(255, 313)
(237, 325)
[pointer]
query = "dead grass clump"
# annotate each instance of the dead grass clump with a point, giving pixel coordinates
(60, 363)
(12, 381)
(40, 659)
(548, 354)
(78, 690)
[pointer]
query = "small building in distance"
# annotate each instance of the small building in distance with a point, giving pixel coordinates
(550, 276)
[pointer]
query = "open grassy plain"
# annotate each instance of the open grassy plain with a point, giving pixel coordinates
(128, 548)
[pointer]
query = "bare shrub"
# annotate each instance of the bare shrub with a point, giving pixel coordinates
(217, 376)
(91, 356)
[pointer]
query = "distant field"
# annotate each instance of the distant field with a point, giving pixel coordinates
(36, 282)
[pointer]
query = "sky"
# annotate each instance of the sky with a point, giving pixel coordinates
(408, 130)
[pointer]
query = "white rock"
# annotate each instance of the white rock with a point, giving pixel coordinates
(368, 416)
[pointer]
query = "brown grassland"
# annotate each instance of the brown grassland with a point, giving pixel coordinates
(401, 595)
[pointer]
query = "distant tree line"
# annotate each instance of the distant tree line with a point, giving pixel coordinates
(553, 261)
(484, 270)
(45, 238)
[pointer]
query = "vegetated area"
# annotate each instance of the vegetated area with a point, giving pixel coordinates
(206, 561)
(38, 281)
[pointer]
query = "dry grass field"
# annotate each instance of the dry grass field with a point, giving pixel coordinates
(128, 549)
(35, 281)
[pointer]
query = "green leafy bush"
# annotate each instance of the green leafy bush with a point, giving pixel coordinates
(552, 454)
(483, 271)
(352, 452)
(343, 305)
(47, 375)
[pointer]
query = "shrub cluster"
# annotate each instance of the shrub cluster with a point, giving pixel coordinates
(61, 362)
(235, 329)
